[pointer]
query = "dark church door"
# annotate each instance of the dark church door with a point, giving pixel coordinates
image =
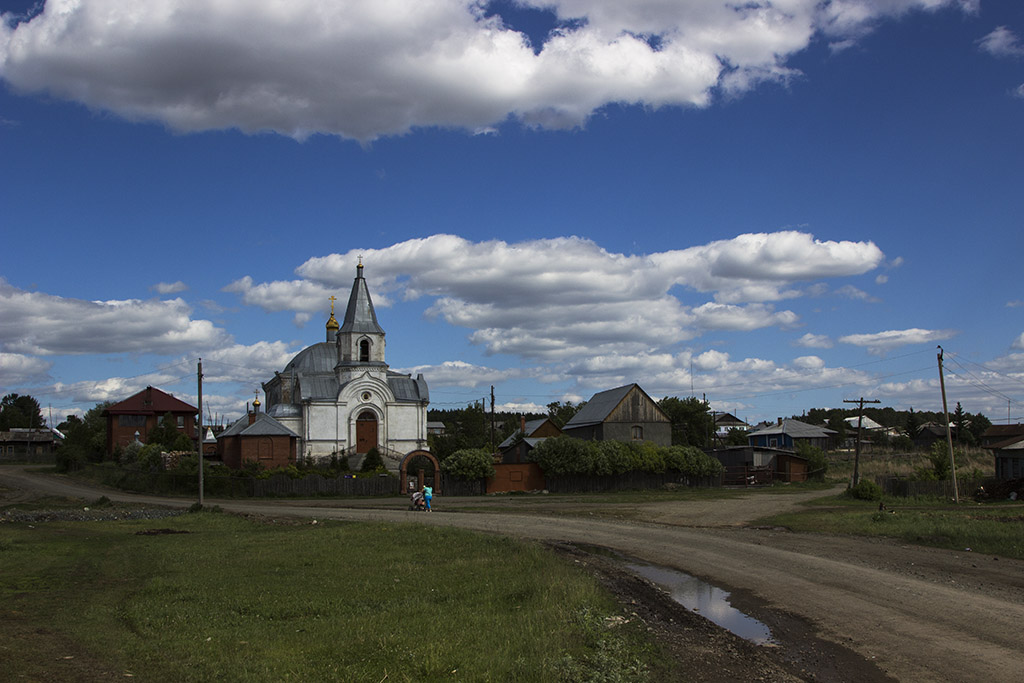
(366, 432)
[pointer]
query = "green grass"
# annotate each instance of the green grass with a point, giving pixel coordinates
(235, 600)
(990, 529)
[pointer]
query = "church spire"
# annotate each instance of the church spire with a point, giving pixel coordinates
(332, 322)
(359, 316)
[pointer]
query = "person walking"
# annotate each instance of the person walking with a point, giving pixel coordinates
(428, 494)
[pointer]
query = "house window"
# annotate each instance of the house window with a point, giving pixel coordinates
(364, 351)
(131, 420)
(638, 433)
(773, 443)
(181, 422)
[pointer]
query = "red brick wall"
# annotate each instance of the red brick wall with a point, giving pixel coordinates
(522, 477)
(269, 451)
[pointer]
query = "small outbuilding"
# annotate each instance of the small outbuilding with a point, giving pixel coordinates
(257, 438)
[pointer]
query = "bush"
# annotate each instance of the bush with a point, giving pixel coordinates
(564, 455)
(817, 464)
(372, 462)
(865, 490)
(469, 464)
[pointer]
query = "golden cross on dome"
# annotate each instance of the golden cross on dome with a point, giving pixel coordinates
(333, 299)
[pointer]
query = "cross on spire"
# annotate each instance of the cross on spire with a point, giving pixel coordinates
(333, 299)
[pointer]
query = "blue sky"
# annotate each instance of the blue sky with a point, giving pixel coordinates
(776, 205)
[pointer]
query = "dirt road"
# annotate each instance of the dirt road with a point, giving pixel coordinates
(920, 614)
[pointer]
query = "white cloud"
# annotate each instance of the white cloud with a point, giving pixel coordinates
(44, 324)
(814, 341)
(566, 297)
(851, 292)
(16, 368)
(170, 287)
(461, 374)
(1018, 343)
(881, 342)
(1002, 42)
(365, 68)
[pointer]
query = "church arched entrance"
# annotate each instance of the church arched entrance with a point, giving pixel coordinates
(410, 479)
(366, 432)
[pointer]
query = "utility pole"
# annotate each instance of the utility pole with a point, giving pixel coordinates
(949, 435)
(860, 422)
(199, 441)
(492, 418)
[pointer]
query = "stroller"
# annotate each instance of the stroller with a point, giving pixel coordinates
(417, 502)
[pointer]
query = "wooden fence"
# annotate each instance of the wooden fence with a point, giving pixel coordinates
(908, 488)
(630, 480)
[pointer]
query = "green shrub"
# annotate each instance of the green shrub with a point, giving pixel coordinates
(373, 461)
(469, 464)
(866, 490)
(817, 464)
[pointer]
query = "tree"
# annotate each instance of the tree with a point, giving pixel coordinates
(560, 413)
(168, 436)
(85, 438)
(469, 464)
(692, 422)
(959, 421)
(20, 411)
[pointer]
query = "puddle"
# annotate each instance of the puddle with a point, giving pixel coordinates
(709, 601)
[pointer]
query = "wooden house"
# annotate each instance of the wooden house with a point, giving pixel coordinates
(1007, 445)
(622, 414)
(788, 433)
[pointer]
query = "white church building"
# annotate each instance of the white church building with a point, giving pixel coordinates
(340, 397)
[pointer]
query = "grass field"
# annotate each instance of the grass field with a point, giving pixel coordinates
(996, 529)
(209, 596)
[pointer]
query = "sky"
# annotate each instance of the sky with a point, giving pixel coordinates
(775, 205)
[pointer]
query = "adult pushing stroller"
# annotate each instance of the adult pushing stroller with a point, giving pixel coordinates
(417, 502)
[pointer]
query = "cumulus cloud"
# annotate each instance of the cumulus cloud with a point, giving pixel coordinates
(365, 68)
(1018, 343)
(566, 297)
(814, 341)
(457, 373)
(881, 342)
(16, 368)
(170, 287)
(43, 324)
(1002, 42)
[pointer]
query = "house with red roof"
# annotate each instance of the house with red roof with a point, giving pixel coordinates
(134, 417)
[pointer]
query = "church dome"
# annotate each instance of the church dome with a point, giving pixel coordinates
(316, 359)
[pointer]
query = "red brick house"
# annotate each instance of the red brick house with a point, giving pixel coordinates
(141, 413)
(259, 438)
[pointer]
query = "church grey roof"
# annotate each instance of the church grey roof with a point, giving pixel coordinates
(264, 425)
(599, 407)
(359, 316)
(405, 388)
(318, 358)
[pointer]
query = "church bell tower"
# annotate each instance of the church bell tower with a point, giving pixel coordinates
(360, 338)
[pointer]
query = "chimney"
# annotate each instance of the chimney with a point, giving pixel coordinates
(522, 424)
(780, 421)
(149, 397)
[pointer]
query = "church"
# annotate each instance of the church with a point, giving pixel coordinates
(341, 399)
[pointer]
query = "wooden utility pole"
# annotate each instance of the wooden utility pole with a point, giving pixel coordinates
(949, 435)
(860, 422)
(199, 373)
(492, 418)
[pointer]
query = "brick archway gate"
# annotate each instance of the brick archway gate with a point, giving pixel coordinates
(417, 482)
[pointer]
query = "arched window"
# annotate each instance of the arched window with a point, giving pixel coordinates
(364, 351)
(638, 433)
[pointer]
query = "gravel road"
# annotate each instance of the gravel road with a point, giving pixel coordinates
(919, 614)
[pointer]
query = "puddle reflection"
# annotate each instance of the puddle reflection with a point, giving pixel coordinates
(707, 600)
